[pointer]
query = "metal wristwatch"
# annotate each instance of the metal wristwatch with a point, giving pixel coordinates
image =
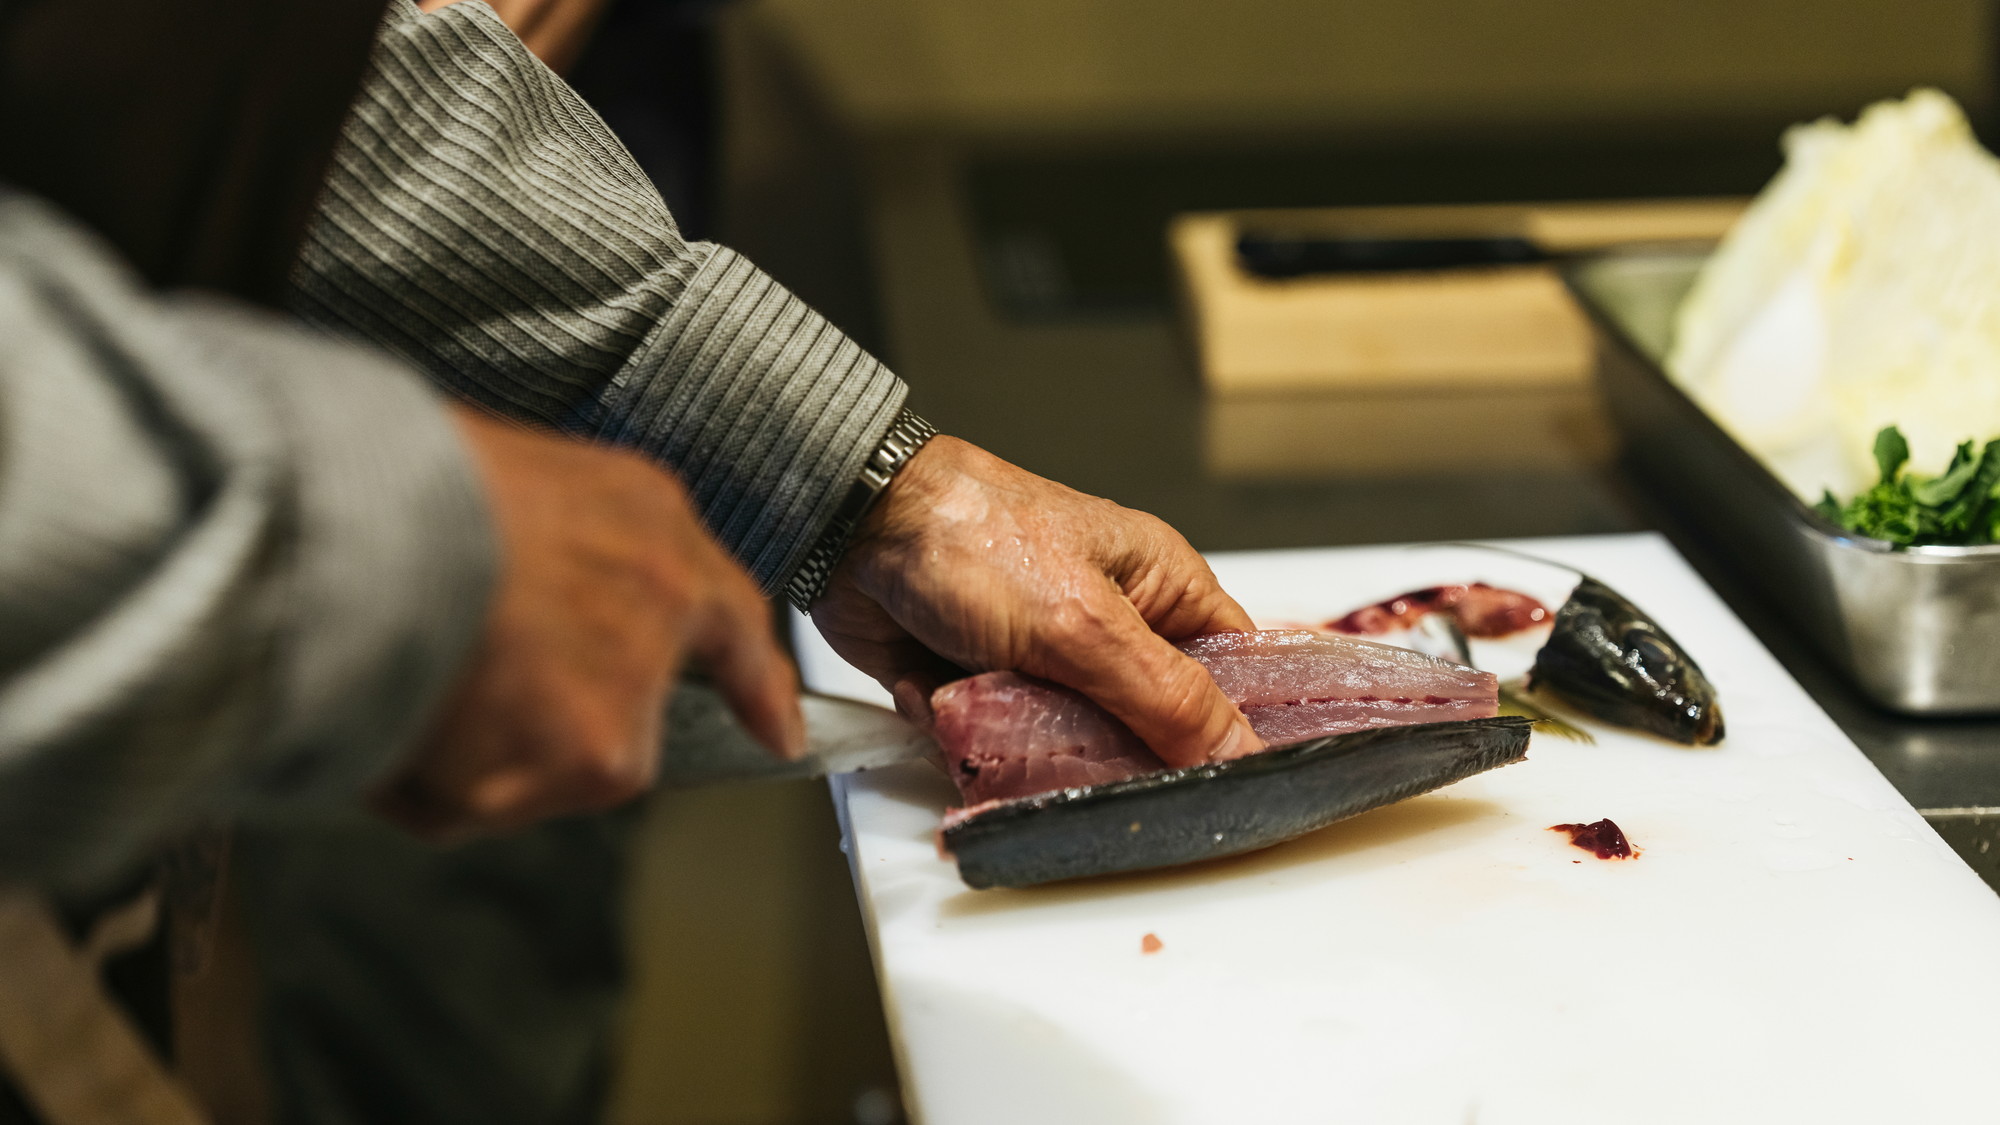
(906, 435)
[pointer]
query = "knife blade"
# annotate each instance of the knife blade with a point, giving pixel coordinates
(706, 745)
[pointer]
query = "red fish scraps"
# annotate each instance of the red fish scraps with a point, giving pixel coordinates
(1603, 839)
(1481, 611)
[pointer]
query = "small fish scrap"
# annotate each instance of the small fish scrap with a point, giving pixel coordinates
(1603, 839)
(1480, 610)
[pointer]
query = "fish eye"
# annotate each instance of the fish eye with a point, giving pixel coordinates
(1651, 654)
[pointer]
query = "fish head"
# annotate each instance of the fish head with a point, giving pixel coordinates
(1608, 657)
(1665, 675)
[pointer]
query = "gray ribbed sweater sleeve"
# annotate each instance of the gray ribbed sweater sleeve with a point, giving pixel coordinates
(239, 562)
(481, 221)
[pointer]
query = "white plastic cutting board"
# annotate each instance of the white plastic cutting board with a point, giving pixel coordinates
(1794, 945)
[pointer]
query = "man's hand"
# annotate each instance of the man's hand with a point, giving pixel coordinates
(968, 562)
(608, 582)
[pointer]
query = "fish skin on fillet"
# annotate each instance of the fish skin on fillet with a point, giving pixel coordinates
(1005, 735)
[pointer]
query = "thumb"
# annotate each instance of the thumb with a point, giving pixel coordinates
(1164, 695)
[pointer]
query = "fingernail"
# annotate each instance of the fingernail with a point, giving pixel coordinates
(913, 703)
(1241, 741)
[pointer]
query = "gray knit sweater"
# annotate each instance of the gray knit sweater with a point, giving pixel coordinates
(240, 561)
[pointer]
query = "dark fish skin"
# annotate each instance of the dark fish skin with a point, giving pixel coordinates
(1608, 658)
(1223, 808)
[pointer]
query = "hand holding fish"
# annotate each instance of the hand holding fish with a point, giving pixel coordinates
(969, 563)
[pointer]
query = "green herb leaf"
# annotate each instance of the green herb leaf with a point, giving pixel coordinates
(1891, 451)
(1888, 512)
(1967, 519)
(1942, 490)
(1957, 508)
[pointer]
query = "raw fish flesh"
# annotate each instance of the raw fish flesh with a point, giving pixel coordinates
(1007, 736)
(1296, 684)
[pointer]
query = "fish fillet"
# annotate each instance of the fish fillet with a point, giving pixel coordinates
(1006, 735)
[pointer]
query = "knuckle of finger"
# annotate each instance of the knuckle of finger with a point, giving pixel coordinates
(612, 769)
(608, 788)
(665, 581)
(600, 785)
(1083, 622)
(1189, 705)
(1191, 699)
(1159, 542)
(489, 804)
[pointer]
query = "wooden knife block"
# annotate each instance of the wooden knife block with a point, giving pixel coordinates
(1492, 326)
(1407, 371)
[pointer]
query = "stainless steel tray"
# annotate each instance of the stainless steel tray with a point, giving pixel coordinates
(1917, 630)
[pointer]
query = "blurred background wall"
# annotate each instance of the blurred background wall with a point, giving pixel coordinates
(1132, 69)
(1077, 127)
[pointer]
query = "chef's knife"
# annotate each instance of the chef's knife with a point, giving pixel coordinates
(706, 745)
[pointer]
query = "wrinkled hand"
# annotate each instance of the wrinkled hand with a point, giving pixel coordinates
(968, 562)
(608, 582)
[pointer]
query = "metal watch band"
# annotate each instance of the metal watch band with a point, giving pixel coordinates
(906, 435)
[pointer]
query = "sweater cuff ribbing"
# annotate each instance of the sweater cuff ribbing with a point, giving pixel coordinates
(766, 409)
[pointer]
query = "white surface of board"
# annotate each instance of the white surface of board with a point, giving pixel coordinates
(1794, 944)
